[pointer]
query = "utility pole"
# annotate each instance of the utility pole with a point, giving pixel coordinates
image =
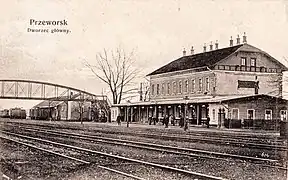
(185, 113)
(127, 118)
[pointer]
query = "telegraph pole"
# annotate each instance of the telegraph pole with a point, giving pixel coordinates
(185, 113)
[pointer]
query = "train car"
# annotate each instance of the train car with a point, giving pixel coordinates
(17, 113)
(4, 113)
(23, 114)
(33, 113)
(39, 113)
(42, 113)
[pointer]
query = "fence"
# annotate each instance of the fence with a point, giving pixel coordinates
(253, 124)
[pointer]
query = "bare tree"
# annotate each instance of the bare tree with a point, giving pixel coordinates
(117, 71)
(278, 81)
(145, 90)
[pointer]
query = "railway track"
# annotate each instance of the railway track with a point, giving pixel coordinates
(162, 148)
(151, 146)
(89, 151)
(185, 138)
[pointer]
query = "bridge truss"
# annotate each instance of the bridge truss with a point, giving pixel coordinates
(36, 90)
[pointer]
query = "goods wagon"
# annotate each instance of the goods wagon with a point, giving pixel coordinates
(39, 113)
(32, 113)
(17, 113)
(4, 113)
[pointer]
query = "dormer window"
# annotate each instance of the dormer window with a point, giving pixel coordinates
(243, 61)
(253, 62)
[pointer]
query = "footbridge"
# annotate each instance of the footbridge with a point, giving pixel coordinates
(37, 90)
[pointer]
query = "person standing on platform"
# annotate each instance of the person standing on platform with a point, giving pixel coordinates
(181, 122)
(118, 120)
(154, 120)
(172, 119)
(166, 120)
(150, 120)
(208, 121)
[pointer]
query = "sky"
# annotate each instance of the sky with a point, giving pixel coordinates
(156, 30)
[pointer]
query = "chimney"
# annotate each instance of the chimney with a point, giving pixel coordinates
(238, 39)
(231, 41)
(211, 46)
(216, 44)
(192, 51)
(204, 48)
(184, 52)
(244, 38)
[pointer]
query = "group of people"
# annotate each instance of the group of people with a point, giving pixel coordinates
(171, 118)
(167, 118)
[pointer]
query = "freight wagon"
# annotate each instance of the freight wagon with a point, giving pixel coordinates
(4, 113)
(40, 113)
(17, 113)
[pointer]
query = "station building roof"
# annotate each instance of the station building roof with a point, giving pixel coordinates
(197, 60)
(209, 59)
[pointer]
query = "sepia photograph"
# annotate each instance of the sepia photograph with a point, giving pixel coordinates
(145, 90)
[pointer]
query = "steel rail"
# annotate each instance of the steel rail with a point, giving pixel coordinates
(242, 144)
(210, 140)
(120, 172)
(123, 143)
(71, 158)
(121, 157)
(183, 138)
(45, 150)
(164, 147)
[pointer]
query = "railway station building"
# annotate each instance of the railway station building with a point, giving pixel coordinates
(237, 84)
(68, 110)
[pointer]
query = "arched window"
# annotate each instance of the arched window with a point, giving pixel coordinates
(180, 87)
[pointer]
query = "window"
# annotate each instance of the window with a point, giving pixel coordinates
(235, 113)
(174, 87)
(186, 86)
(207, 84)
(193, 85)
(243, 61)
(200, 85)
(168, 88)
(283, 115)
(158, 89)
(152, 89)
(268, 114)
(180, 87)
(250, 114)
(253, 62)
(163, 89)
(213, 114)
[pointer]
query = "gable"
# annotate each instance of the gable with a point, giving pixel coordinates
(247, 51)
